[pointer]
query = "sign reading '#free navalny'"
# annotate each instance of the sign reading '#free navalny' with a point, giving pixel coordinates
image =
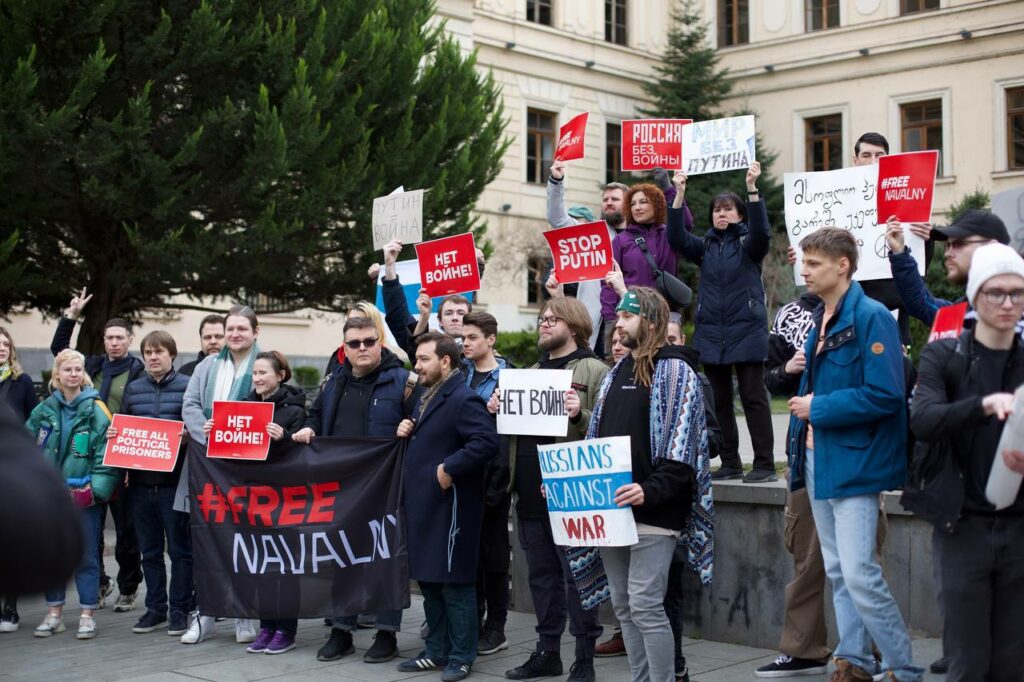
(580, 479)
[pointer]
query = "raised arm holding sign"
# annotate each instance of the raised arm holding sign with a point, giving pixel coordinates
(398, 216)
(717, 146)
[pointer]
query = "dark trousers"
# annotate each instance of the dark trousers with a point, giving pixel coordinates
(450, 609)
(126, 546)
(9, 600)
(157, 524)
(982, 570)
(674, 604)
(492, 572)
(554, 591)
(288, 625)
(754, 397)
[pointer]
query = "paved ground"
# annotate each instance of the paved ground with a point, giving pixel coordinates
(118, 654)
(780, 423)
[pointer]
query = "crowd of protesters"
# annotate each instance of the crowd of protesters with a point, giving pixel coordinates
(856, 402)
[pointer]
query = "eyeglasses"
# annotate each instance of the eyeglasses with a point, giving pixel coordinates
(998, 296)
(361, 343)
(548, 320)
(955, 244)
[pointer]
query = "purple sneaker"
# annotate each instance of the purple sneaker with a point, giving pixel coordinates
(281, 643)
(261, 642)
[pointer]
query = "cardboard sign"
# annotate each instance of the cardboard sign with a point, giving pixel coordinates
(240, 430)
(906, 184)
(533, 402)
(581, 252)
(448, 266)
(580, 479)
(144, 443)
(652, 143)
(948, 322)
(399, 216)
(843, 198)
(571, 138)
(724, 144)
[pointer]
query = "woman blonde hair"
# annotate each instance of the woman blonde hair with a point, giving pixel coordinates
(63, 358)
(369, 310)
(12, 357)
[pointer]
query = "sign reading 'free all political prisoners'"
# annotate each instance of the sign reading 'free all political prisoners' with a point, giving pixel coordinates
(448, 266)
(581, 252)
(240, 430)
(533, 402)
(653, 143)
(144, 443)
(580, 479)
(398, 216)
(724, 144)
(843, 198)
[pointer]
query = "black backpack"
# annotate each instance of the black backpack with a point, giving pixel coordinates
(714, 429)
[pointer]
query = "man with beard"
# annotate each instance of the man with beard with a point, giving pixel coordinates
(564, 326)
(371, 377)
(211, 338)
(451, 439)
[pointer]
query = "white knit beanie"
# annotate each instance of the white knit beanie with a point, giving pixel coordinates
(988, 261)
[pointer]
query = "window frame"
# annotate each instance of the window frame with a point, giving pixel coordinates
(906, 10)
(536, 6)
(810, 11)
(535, 285)
(612, 151)
(733, 8)
(1007, 114)
(895, 136)
(616, 32)
(809, 141)
(538, 165)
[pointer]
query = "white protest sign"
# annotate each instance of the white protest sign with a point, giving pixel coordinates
(533, 402)
(724, 144)
(843, 198)
(580, 479)
(399, 216)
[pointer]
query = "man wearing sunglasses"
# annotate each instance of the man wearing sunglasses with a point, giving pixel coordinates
(365, 396)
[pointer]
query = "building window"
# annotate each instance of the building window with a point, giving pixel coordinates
(537, 267)
(612, 151)
(823, 142)
(820, 14)
(1015, 128)
(266, 305)
(733, 25)
(921, 127)
(539, 11)
(540, 144)
(615, 21)
(913, 6)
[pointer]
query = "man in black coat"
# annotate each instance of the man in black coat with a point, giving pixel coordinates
(211, 338)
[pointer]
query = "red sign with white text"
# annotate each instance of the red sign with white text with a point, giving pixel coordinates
(652, 143)
(906, 183)
(240, 430)
(949, 322)
(571, 138)
(581, 252)
(448, 266)
(144, 443)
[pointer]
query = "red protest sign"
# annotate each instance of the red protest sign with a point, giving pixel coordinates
(906, 183)
(448, 266)
(581, 252)
(144, 443)
(240, 430)
(652, 143)
(571, 138)
(949, 322)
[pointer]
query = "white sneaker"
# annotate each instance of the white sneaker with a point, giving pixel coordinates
(86, 627)
(51, 625)
(201, 627)
(245, 630)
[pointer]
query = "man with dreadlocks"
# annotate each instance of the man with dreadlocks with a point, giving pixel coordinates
(654, 397)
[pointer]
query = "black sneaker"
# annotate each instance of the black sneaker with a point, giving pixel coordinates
(683, 673)
(149, 622)
(582, 670)
(9, 620)
(492, 640)
(455, 672)
(785, 666)
(539, 664)
(761, 476)
(420, 663)
(940, 666)
(383, 649)
(726, 474)
(177, 624)
(339, 643)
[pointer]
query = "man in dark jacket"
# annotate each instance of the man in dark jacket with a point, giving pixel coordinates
(451, 439)
(150, 495)
(110, 372)
(364, 397)
(963, 397)
(211, 338)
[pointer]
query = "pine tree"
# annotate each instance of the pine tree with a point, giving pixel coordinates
(229, 149)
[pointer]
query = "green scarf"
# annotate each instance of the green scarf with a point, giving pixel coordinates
(5, 372)
(240, 386)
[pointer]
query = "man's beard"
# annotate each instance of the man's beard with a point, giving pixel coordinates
(613, 218)
(556, 340)
(429, 380)
(627, 340)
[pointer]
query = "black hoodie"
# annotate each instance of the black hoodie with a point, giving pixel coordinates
(289, 412)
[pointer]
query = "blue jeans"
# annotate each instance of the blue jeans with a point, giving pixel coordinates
(638, 580)
(865, 608)
(450, 609)
(87, 575)
(387, 619)
(155, 520)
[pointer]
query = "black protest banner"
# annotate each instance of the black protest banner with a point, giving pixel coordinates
(317, 530)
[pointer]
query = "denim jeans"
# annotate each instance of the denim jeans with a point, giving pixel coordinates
(155, 520)
(450, 609)
(87, 575)
(638, 579)
(387, 619)
(865, 608)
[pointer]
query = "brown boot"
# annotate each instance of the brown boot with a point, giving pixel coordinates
(848, 672)
(613, 647)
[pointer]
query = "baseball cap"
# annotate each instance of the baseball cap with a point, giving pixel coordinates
(583, 213)
(974, 223)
